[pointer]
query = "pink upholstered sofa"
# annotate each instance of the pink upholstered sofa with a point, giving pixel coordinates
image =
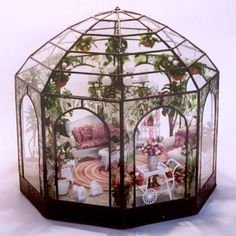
(88, 135)
(91, 136)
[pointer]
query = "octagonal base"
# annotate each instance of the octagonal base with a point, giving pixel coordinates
(115, 217)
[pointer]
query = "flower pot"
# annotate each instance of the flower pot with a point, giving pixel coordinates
(147, 44)
(152, 163)
(60, 84)
(177, 77)
(63, 186)
(194, 70)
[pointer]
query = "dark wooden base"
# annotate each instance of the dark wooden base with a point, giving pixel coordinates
(115, 217)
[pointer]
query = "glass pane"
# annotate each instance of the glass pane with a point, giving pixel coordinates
(132, 27)
(114, 17)
(91, 44)
(83, 158)
(188, 53)
(105, 15)
(103, 26)
(144, 43)
(35, 74)
(85, 85)
(66, 39)
(29, 127)
(36, 98)
(141, 80)
(160, 157)
(99, 80)
(204, 68)
(84, 26)
(151, 24)
(105, 30)
(145, 85)
(170, 37)
(21, 90)
(49, 55)
(208, 126)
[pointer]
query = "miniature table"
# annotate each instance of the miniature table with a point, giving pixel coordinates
(104, 153)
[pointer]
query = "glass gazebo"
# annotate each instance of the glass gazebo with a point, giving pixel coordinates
(117, 123)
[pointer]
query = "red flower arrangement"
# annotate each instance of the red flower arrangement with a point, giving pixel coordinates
(116, 186)
(153, 147)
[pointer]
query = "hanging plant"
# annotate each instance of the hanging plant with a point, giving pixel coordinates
(115, 45)
(85, 43)
(60, 79)
(170, 66)
(197, 68)
(148, 40)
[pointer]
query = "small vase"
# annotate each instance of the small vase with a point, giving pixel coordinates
(63, 186)
(152, 163)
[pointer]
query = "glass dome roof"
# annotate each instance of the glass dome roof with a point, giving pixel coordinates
(117, 54)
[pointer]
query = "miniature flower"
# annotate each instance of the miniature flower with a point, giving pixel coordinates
(154, 148)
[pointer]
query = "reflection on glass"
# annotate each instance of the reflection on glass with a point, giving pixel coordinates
(30, 143)
(207, 140)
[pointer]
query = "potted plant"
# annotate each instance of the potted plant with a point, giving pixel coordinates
(148, 40)
(155, 152)
(114, 45)
(64, 154)
(177, 74)
(85, 43)
(60, 79)
(117, 193)
(197, 68)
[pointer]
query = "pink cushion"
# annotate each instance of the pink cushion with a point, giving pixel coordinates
(92, 143)
(99, 131)
(77, 134)
(86, 132)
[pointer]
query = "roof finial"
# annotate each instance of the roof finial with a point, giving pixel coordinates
(117, 9)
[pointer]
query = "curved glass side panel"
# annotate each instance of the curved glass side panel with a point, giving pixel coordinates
(30, 145)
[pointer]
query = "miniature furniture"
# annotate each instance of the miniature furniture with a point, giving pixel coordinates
(104, 153)
(88, 136)
(167, 183)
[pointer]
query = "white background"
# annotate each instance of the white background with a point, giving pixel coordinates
(26, 25)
